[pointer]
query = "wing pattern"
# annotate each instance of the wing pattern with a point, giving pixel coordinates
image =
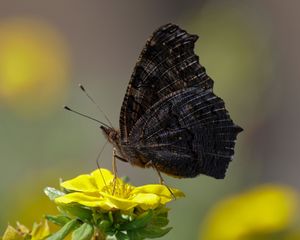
(167, 63)
(170, 115)
(186, 133)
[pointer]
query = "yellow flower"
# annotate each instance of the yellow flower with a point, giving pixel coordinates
(267, 209)
(39, 231)
(100, 189)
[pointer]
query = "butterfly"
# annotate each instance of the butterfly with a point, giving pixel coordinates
(170, 118)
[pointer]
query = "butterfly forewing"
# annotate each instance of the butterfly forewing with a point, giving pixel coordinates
(167, 63)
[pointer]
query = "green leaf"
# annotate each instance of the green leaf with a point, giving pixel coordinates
(84, 232)
(78, 211)
(105, 225)
(162, 212)
(159, 221)
(126, 217)
(99, 216)
(153, 232)
(134, 235)
(65, 230)
(110, 216)
(140, 222)
(58, 220)
(122, 236)
(53, 193)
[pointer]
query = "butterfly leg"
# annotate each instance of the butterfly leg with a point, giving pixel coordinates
(120, 158)
(114, 167)
(161, 180)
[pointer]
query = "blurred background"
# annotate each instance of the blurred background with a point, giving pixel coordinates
(250, 48)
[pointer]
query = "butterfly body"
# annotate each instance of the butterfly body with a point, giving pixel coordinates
(126, 153)
(170, 118)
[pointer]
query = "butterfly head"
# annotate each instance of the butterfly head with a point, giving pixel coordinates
(112, 135)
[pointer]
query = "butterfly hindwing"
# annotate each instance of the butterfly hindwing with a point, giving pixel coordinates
(167, 64)
(186, 133)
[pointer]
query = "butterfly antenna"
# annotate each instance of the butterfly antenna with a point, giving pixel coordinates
(93, 101)
(98, 162)
(86, 116)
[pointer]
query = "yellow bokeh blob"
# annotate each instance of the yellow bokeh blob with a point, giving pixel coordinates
(34, 64)
(267, 209)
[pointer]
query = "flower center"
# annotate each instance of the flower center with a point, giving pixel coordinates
(118, 188)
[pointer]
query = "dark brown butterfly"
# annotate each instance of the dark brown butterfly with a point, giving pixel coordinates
(170, 118)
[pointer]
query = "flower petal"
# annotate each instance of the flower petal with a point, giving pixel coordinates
(78, 197)
(93, 182)
(108, 202)
(160, 190)
(82, 183)
(147, 200)
(102, 177)
(85, 199)
(118, 203)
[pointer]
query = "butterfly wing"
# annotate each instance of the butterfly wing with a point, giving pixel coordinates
(186, 133)
(167, 63)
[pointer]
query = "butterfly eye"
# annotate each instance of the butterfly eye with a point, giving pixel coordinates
(112, 135)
